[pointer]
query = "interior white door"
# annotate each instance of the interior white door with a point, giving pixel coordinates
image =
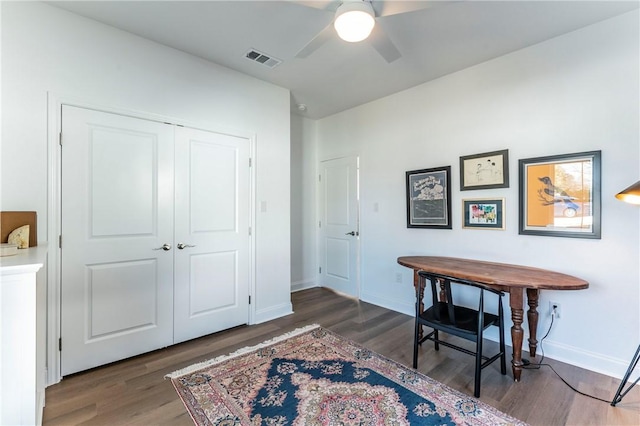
(211, 233)
(339, 227)
(117, 213)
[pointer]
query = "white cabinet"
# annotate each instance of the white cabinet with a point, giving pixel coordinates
(22, 334)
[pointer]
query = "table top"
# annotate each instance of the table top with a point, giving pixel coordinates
(497, 274)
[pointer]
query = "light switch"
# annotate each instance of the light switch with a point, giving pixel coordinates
(263, 206)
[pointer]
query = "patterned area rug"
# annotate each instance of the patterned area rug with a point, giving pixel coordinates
(312, 376)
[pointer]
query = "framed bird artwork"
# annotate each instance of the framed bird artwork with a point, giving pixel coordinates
(560, 195)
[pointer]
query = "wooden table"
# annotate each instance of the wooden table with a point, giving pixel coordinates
(512, 279)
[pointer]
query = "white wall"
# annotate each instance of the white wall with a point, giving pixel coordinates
(304, 263)
(578, 92)
(49, 51)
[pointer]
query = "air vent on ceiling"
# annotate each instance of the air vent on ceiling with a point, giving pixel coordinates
(262, 58)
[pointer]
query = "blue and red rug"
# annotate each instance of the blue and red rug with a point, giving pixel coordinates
(312, 376)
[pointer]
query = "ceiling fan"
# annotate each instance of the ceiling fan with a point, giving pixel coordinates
(356, 20)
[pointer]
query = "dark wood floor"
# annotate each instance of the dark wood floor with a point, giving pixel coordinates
(134, 391)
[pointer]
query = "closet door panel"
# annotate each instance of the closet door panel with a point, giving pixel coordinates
(205, 297)
(212, 227)
(117, 210)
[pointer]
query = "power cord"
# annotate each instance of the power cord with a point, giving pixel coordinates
(536, 366)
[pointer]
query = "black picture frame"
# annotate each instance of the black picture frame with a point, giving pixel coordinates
(483, 213)
(560, 195)
(429, 198)
(488, 170)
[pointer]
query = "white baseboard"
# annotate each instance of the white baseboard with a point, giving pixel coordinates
(393, 304)
(303, 285)
(609, 366)
(273, 313)
(40, 396)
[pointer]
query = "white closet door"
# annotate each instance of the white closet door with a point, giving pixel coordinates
(212, 227)
(117, 211)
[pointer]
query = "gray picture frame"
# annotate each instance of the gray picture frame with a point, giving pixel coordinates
(483, 213)
(429, 198)
(488, 170)
(560, 195)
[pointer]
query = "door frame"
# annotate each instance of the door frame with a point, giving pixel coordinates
(55, 102)
(319, 209)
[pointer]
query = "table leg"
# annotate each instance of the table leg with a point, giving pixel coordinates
(416, 285)
(532, 316)
(516, 303)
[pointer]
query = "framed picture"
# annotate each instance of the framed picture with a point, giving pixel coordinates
(483, 213)
(485, 171)
(560, 195)
(429, 198)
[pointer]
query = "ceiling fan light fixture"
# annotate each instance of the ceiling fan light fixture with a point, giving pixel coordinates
(354, 20)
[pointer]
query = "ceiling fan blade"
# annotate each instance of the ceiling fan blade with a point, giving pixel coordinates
(329, 5)
(317, 41)
(395, 7)
(383, 44)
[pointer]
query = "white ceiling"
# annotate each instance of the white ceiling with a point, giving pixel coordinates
(440, 39)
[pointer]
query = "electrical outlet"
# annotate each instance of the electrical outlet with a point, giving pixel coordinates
(399, 278)
(555, 306)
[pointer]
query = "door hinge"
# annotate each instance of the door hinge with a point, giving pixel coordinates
(60, 344)
(319, 224)
(249, 299)
(60, 138)
(250, 162)
(319, 178)
(59, 241)
(249, 231)
(320, 270)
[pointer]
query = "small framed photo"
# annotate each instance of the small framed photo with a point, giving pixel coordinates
(483, 213)
(484, 171)
(560, 195)
(429, 198)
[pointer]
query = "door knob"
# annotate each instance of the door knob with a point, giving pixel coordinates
(352, 233)
(181, 246)
(165, 247)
